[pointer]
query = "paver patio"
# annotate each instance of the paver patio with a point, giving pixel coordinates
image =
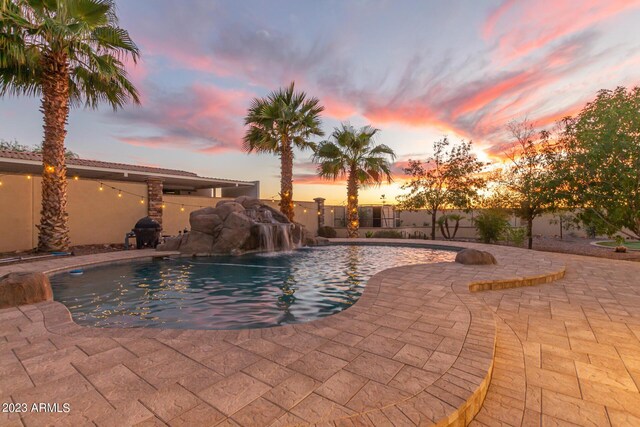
(416, 349)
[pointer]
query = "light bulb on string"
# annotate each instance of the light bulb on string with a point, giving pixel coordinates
(119, 193)
(101, 187)
(142, 200)
(182, 208)
(28, 176)
(75, 178)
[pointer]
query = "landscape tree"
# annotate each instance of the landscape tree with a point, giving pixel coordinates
(601, 166)
(276, 124)
(450, 178)
(353, 154)
(528, 175)
(68, 52)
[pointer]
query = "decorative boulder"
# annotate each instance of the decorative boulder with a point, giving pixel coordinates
(475, 257)
(223, 210)
(206, 223)
(171, 243)
(196, 242)
(24, 288)
(237, 226)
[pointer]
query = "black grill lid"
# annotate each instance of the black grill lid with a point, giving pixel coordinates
(147, 222)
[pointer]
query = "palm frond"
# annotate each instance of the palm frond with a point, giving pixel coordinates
(284, 116)
(353, 151)
(84, 33)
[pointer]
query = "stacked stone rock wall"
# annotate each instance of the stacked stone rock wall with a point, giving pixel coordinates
(232, 227)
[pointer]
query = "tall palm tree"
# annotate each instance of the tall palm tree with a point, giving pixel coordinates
(277, 123)
(353, 154)
(68, 52)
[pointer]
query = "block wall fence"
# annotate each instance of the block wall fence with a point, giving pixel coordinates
(102, 217)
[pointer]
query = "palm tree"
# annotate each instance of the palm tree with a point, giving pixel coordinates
(68, 52)
(277, 123)
(353, 154)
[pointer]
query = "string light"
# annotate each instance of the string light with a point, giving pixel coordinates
(319, 213)
(305, 211)
(50, 169)
(331, 210)
(121, 192)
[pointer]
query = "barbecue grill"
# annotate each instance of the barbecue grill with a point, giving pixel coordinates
(147, 233)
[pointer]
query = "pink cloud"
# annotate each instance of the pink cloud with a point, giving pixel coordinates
(202, 118)
(337, 108)
(416, 113)
(493, 92)
(492, 20)
(532, 25)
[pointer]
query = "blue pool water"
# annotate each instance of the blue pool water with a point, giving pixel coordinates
(250, 291)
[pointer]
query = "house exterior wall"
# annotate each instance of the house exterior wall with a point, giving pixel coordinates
(100, 216)
(95, 216)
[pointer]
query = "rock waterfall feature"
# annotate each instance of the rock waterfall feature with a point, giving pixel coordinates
(235, 227)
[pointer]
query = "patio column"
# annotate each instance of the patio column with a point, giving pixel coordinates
(154, 192)
(320, 202)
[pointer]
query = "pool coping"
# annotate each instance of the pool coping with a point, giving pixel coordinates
(462, 384)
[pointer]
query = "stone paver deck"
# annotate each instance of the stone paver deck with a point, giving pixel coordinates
(418, 348)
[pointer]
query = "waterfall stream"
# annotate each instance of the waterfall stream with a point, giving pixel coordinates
(275, 237)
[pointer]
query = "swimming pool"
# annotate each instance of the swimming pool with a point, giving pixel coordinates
(249, 291)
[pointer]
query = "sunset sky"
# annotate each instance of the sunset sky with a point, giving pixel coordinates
(418, 70)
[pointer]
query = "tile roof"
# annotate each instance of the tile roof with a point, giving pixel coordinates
(96, 164)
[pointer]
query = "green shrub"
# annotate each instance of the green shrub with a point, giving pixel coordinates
(368, 234)
(620, 240)
(387, 234)
(326, 231)
(491, 225)
(515, 235)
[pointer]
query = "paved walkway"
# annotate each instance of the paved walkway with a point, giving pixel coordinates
(568, 353)
(417, 348)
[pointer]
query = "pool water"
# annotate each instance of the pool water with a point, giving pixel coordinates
(249, 291)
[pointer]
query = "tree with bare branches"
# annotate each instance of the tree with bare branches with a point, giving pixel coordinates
(527, 174)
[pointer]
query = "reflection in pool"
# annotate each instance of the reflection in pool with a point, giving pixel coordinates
(250, 291)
